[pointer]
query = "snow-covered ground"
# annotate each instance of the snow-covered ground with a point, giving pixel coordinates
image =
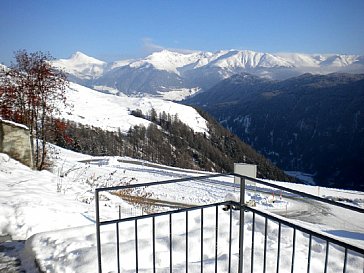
(179, 94)
(111, 112)
(55, 214)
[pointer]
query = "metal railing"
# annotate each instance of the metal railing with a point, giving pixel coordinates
(185, 212)
(238, 256)
(329, 242)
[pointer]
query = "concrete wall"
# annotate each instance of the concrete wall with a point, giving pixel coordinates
(15, 141)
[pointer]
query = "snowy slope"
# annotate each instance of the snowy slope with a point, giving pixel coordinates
(55, 213)
(112, 112)
(168, 60)
(248, 59)
(326, 62)
(232, 59)
(30, 203)
(303, 60)
(121, 63)
(226, 59)
(81, 66)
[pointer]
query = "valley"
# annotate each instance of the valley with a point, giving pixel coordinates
(310, 123)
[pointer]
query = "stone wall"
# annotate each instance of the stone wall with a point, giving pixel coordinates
(15, 141)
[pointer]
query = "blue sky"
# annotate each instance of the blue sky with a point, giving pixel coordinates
(118, 29)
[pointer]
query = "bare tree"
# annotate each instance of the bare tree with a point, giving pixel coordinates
(31, 92)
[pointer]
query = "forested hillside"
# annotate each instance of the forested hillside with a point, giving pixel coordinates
(167, 141)
(310, 123)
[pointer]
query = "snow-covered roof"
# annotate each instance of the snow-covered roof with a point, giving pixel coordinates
(12, 123)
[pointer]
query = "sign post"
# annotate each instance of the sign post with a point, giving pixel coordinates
(251, 171)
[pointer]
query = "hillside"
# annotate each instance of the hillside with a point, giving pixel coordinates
(112, 113)
(310, 123)
(151, 129)
(167, 140)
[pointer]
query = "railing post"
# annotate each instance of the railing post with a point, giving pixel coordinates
(241, 224)
(250, 171)
(98, 239)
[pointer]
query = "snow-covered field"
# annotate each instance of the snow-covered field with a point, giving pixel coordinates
(55, 214)
(178, 94)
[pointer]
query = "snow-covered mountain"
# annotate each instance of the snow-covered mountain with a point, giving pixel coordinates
(168, 61)
(324, 62)
(166, 71)
(236, 59)
(81, 66)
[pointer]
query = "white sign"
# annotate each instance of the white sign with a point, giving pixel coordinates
(246, 170)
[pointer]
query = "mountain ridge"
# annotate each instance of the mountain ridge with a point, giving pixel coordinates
(165, 70)
(81, 66)
(155, 130)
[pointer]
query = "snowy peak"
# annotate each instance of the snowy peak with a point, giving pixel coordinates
(249, 59)
(301, 60)
(81, 66)
(225, 59)
(79, 57)
(339, 60)
(169, 61)
(233, 60)
(167, 70)
(175, 62)
(323, 61)
(120, 63)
